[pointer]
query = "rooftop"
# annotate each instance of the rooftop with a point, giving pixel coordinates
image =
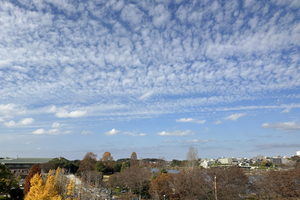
(25, 160)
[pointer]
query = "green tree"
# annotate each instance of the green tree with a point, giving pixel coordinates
(175, 163)
(117, 167)
(163, 171)
(296, 158)
(63, 163)
(125, 165)
(7, 180)
(266, 163)
(100, 167)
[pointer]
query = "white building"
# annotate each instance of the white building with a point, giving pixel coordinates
(298, 153)
(225, 160)
(206, 163)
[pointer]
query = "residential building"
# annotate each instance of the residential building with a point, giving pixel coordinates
(206, 163)
(276, 160)
(225, 160)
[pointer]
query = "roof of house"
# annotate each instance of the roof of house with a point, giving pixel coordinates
(25, 160)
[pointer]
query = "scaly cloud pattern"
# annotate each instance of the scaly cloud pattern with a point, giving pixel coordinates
(88, 66)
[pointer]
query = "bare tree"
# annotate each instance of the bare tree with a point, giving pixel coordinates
(47, 166)
(285, 184)
(192, 184)
(192, 157)
(232, 182)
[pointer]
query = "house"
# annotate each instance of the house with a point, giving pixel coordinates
(226, 160)
(206, 163)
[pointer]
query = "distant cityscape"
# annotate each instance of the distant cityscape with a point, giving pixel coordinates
(21, 166)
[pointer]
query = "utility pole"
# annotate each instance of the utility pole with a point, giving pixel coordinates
(216, 187)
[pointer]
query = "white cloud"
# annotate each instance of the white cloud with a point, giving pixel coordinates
(191, 120)
(287, 110)
(288, 126)
(200, 140)
(235, 117)
(7, 108)
(278, 145)
(39, 131)
(142, 59)
(23, 122)
(26, 121)
(171, 141)
(166, 63)
(112, 132)
(134, 134)
(176, 133)
(131, 14)
(10, 123)
(55, 125)
(146, 95)
(206, 130)
(67, 132)
(54, 131)
(73, 114)
(52, 109)
(218, 122)
(51, 132)
(86, 132)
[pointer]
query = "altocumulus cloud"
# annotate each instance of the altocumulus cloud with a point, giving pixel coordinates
(151, 41)
(129, 60)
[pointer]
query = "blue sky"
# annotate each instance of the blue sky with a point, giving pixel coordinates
(154, 77)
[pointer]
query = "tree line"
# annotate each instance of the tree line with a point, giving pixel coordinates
(130, 178)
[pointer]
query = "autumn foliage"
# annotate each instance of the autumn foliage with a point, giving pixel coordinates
(41, 190)
(189, 183)
(35, 169)
(133, 159)
(160, 185)
(88, 163)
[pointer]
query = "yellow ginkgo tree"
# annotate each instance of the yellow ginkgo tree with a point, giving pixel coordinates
(43, 191)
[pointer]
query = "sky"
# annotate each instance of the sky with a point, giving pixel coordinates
(153, 77)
